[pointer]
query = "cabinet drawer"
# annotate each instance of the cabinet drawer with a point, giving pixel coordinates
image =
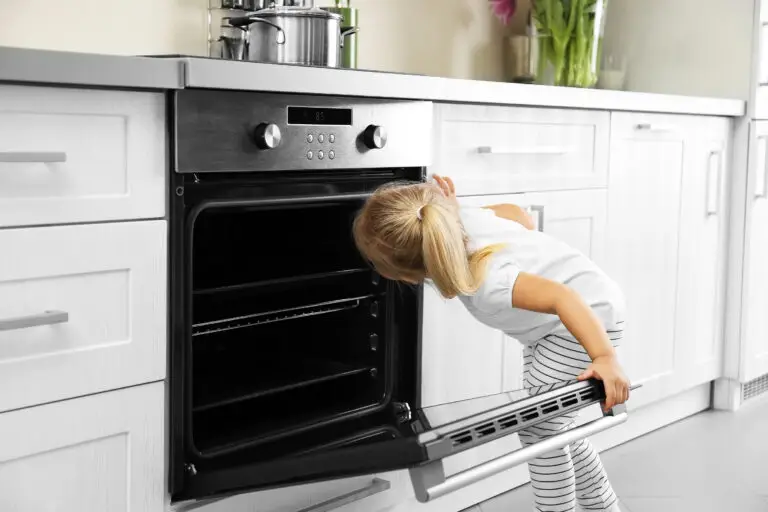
(72, 155)
(82, 310)
(496, 150)
(95, 454)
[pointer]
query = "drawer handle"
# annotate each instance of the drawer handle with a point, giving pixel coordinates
(429, 481)
(761, 164)
(377, 486)
(537, 150)
(25, 322)
(539, 211)
(648, 127)
(34, 157)
(713, 182)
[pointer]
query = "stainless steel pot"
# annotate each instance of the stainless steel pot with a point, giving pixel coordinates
(293, 35)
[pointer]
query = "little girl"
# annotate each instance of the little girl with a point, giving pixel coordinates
(550, 297)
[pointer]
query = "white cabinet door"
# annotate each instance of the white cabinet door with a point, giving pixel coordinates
(667, 227)
(578, 218)
(646, 172)
(82, 310)
(755, 303)
(700, 304)
(94, 454)
(501, 150)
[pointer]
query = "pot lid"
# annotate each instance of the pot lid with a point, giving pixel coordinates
(295, 12)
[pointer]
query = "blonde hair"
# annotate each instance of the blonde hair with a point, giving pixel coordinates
(412, 232)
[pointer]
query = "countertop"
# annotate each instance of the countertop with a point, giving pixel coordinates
(81, 69)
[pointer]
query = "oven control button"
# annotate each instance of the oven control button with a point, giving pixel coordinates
(267, 136)
(375, 137)
(320, 155)
(321, 138)
(331, 154)
(310, 138)
(310, 155)
(331, 138)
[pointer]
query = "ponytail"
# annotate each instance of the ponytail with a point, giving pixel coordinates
(452, 269)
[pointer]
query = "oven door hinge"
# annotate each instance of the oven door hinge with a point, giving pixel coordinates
(402, 411)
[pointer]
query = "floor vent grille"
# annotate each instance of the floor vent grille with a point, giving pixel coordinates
(755, 387)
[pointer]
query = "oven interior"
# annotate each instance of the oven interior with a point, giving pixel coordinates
(293, 338)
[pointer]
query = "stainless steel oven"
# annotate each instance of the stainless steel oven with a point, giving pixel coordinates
(291, 359)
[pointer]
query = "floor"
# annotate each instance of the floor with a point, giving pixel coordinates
(711, 462)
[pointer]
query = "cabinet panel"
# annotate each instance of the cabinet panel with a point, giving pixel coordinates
(94, 454)
(461, 358)
(702, 253)
(72, 325)
(647, 159)
(495, 149)
(75, 155)
(755, 303)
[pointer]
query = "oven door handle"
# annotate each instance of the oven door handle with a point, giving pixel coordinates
(429, 480)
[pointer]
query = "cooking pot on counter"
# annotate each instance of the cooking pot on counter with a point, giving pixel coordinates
(288, 35)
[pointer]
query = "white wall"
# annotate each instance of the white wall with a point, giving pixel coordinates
(456, 38)
(690, 47)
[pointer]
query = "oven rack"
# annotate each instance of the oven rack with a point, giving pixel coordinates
(279, 315)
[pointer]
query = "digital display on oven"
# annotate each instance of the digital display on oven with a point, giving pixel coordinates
(320, 116)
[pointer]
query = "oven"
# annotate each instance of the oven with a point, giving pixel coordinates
(291, 360)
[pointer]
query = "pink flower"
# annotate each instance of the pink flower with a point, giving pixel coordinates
(504, 9)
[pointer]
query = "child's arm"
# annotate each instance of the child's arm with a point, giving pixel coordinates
(534, 293)
(514, 213)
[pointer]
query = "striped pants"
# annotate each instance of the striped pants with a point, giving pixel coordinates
(562, 478)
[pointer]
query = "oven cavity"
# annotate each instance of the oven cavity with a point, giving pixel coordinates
(289, 325)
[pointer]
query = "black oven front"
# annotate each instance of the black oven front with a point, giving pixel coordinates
(291, 359)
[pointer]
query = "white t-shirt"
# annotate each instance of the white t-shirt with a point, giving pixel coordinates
(535, 253)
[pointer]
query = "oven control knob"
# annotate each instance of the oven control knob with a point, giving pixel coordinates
(375, 137)
(268, 136)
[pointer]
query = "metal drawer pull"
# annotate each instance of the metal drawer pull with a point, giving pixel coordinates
(377, 486)
(429, 481)
(538, 150)
(761, 164)
(648, 127)
(539, 211)
(713, 182)
(41, 157)
(25, 322)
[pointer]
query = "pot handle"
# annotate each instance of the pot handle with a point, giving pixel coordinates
(345, 33)
(244, 22)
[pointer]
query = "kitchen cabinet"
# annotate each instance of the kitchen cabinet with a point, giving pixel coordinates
(504, 150)
(100, 453)
(754, 358)
(454, 343)
(666, 247)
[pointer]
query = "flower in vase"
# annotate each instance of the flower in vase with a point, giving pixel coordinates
(504, 9)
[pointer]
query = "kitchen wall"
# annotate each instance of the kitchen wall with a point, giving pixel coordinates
(455, 38)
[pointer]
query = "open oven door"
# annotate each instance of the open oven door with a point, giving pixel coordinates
(417, 440)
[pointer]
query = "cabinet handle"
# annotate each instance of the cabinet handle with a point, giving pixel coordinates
(539, 211)
(648, 127)
(25, 322)
(761, 179)
(429, 481)
(377, 486)
(34, 157)
(537, 150)
(713, 182)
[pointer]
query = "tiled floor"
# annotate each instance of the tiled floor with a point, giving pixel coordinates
(712, 462)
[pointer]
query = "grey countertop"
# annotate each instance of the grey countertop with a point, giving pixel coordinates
(66, 68)
(81, 69)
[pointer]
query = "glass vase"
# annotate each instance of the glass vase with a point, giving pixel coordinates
(570, 39)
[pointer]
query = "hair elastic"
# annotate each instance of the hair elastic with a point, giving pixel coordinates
(418, 212)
